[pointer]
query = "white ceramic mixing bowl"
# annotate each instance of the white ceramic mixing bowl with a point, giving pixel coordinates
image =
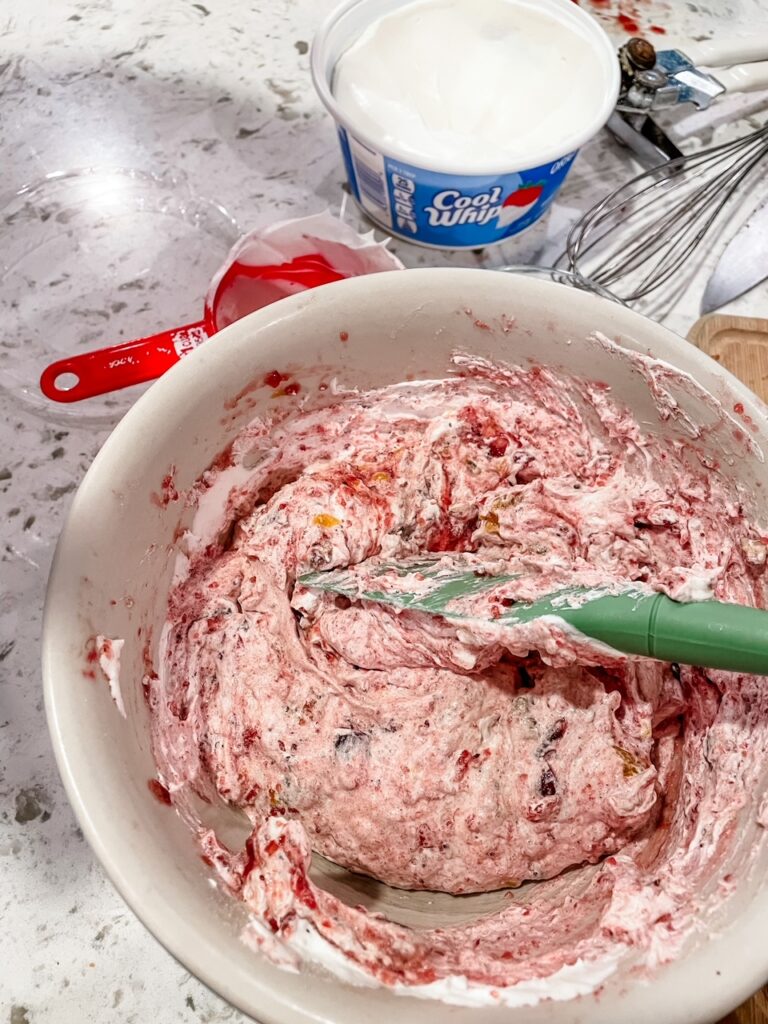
(111, 576)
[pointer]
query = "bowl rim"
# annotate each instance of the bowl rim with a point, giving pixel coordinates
(710, 998)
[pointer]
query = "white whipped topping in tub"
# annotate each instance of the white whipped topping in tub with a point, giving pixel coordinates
(472, 83)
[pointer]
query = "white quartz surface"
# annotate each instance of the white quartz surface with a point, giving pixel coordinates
(216, 94)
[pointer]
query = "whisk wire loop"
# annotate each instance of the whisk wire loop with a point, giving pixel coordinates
(641, 234)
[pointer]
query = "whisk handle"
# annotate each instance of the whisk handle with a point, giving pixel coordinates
(745, 77)
(723, 52)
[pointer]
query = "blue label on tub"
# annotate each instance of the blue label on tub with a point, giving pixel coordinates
(447, 210)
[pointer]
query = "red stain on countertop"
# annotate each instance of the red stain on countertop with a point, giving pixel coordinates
(635, 17)
(628, 23)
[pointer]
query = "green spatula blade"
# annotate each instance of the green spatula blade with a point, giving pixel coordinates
(441, 585)
(711, 634)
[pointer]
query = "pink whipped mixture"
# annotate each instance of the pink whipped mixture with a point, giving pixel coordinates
(432, 757)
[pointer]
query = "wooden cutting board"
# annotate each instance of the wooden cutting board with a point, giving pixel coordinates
(753, 1012)
(740, 344)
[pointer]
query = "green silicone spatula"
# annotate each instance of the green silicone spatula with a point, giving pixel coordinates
(710, 634)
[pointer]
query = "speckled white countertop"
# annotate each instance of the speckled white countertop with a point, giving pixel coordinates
(216, 95)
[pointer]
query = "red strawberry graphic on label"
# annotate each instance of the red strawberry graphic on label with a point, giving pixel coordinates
(518, 203)
(525, 196)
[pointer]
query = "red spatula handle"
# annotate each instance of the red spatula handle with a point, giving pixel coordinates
(109, 369)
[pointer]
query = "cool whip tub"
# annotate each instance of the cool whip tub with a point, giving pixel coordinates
(460, 119)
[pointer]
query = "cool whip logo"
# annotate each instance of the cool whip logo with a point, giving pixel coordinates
(452, 207)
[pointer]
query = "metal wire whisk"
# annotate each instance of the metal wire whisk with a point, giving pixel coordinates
(639, 236)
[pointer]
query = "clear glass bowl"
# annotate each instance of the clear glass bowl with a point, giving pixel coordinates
(95, 256)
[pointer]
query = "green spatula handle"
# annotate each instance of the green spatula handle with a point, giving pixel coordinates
(706, 633)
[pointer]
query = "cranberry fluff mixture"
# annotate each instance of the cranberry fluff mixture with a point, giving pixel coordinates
(433, 757)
